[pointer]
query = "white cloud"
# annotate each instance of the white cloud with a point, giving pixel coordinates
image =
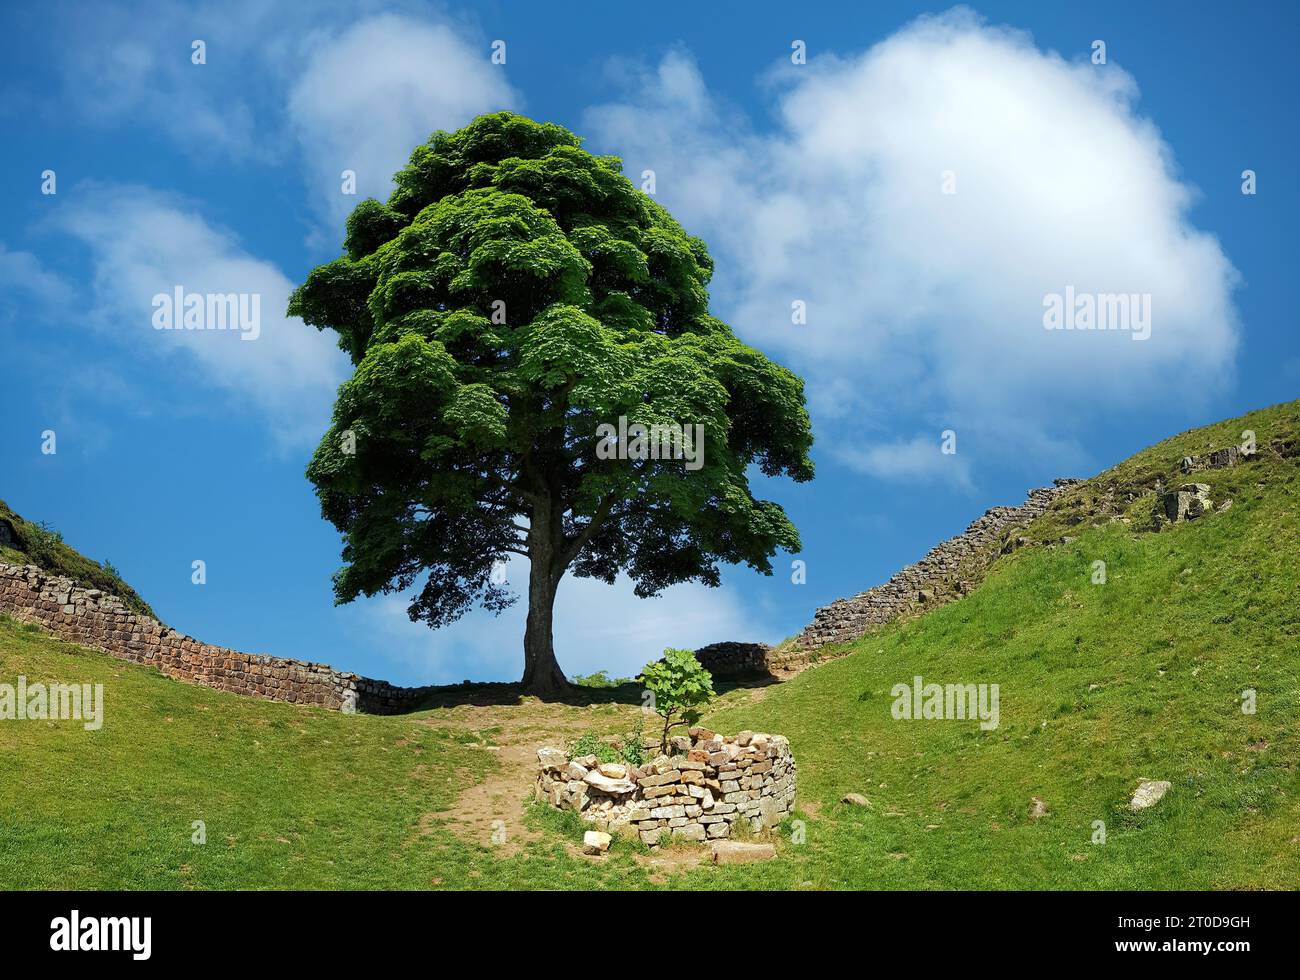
(370, 94)
(357, 95)
(921, 303)
(354, 88)
(918, 459)
(23, 273)
(143, 243)
(597, 627)
(124, 69)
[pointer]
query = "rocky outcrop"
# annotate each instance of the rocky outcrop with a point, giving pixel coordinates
(698, 795)
(948, 572)
(102, 622)
(1217, 460)
(1187, 503)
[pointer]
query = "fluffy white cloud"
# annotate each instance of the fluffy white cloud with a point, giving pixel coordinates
(924, 305)
(142, 244)
(597, 627)
(372, 92)
(355, 94)
(355, 87)
(916, 459)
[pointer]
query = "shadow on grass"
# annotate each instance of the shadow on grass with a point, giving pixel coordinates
(578, 695)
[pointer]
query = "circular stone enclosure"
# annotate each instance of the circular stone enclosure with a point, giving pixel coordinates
(701, 792)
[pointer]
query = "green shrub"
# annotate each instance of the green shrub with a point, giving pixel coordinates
(592, 744)
(634, 746)
(630, 750)
(600, 679)
(679, 687)
(43, 544)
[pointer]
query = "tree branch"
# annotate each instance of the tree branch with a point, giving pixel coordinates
(579, 541)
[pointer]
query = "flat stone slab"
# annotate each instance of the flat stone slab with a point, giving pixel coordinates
(615, 787)
(738, 852)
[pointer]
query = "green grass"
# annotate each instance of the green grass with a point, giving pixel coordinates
(1101, 685)
(291, 797)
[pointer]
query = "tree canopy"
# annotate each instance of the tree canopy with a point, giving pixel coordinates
(514, 295)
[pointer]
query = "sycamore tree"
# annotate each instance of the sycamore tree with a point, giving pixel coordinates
(537, 375)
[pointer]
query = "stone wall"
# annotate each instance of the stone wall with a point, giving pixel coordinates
(700, 793)
(734, 659)
(102, 622)
(749, 661)
(946, 573)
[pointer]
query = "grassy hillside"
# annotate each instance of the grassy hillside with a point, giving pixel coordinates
(291, 797)
(1101, 686)
(35, 544)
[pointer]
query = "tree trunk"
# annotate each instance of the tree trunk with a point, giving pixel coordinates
(542, 674)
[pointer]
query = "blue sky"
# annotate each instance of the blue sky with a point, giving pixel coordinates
(817, 182)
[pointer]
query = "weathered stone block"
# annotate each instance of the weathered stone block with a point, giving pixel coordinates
(737, 852)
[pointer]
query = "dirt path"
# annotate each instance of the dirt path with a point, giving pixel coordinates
(491, 812)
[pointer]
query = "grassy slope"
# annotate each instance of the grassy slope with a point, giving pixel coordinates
(1100, 686)
(291, 797)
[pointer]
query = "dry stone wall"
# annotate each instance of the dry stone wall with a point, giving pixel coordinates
(946, 573)
(102, 622)
(701, 793)
(734, 659)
